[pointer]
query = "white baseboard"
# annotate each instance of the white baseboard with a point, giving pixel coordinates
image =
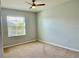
(19, 44)
(76, 50)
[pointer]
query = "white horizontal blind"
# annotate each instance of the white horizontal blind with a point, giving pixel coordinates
(16, 26)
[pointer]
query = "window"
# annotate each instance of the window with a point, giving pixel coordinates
(16, 26)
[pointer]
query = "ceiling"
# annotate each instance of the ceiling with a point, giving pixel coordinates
(21, 5)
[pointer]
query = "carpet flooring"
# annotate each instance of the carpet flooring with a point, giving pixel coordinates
(38, 50)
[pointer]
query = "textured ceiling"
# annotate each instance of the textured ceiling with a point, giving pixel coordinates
(21, 5)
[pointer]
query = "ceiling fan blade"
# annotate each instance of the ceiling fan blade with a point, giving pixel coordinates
(28, 3)
(40, 4)
(30, 8)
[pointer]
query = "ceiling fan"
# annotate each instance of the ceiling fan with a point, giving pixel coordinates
(33, 4)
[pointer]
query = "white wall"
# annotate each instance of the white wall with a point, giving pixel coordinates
(60, 25)
(1, 46)
(30, 20)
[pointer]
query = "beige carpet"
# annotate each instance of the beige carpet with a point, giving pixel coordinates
(38, 50)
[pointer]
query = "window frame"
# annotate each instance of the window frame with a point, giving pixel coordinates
(16, 30)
